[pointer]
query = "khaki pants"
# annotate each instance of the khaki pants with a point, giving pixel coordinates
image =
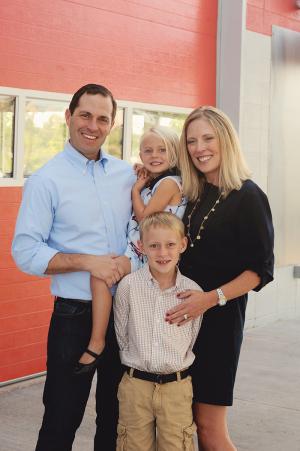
(146, 407)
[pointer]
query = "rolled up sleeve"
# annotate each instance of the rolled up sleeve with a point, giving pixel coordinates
(35, 219)
(256, 236)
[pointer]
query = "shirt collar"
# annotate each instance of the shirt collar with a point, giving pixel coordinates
(80, 161)
(153, 282)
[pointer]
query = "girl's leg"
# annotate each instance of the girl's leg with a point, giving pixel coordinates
(212, 428)
(101, 306)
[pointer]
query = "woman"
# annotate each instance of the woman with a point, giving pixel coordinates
(230, 252)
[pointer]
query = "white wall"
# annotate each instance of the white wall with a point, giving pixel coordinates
(281, 298)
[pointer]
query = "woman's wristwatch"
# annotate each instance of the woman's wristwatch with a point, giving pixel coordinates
(222, 299)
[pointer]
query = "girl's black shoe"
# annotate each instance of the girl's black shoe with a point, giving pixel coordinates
(82, 368)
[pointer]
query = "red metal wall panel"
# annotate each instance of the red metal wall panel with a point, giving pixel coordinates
(147, 51)
(25, 303)
(262, 14)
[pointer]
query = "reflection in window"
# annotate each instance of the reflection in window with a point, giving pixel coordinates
(7, 113)
(45, 132)
(114, 142)
(143, 120)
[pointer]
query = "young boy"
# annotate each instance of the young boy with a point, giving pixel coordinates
(156, 391)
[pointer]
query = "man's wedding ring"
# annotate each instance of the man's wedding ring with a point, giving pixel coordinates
(185, 316)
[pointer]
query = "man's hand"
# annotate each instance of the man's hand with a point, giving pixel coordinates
(123, 265)
(105, 267)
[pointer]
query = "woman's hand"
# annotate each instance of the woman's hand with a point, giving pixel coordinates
(194, 303)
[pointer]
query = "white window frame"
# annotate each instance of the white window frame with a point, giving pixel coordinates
(22, 95)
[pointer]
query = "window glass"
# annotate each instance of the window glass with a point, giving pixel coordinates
(114, 142)
(46, 133)
(142, 120)
(7, 114)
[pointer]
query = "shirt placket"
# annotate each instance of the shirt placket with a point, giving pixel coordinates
(157, 330)
(99, 176)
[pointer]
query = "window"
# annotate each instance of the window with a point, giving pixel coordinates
(45, 132)
(33, 130)
(7, 115)
(114, 142)
(142, 120)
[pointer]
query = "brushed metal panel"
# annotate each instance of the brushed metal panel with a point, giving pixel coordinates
(284, 161)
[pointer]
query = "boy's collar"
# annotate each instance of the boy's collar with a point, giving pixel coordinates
(152, 281)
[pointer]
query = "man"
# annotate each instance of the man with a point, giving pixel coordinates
(71, 224)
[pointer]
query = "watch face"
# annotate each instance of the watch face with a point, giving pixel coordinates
(222, 302)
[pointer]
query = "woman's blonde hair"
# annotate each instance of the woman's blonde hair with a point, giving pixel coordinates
(170, 139)
(233, 167)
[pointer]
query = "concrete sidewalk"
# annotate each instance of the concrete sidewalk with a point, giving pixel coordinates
(265, 415)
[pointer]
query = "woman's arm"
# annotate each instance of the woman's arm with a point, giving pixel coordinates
(162, 197)
(196, 303)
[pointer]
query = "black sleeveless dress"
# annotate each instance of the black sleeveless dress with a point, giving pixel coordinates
(237, 236)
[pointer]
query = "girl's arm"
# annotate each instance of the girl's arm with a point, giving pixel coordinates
(166, 193)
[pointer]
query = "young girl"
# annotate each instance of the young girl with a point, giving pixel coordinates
(158, 188)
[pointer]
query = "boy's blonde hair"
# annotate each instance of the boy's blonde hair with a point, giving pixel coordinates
(163, 219)
(170, 139)
(233, 168)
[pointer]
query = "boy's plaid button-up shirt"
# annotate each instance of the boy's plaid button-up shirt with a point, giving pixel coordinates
(147, 342)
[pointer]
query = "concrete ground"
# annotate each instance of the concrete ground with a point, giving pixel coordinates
(265, 415)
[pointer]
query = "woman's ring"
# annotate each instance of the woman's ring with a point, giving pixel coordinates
(185, 316)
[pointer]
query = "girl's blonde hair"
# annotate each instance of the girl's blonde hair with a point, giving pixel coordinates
(170, 139)
(233, 167)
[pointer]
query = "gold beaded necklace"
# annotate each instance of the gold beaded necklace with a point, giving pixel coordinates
(201, 228)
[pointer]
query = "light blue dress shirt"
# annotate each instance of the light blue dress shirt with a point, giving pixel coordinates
(73, 205)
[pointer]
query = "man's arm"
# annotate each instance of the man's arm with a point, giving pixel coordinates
(30, 247)
(104, 267)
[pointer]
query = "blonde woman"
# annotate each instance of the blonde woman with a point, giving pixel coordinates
(230, 252)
